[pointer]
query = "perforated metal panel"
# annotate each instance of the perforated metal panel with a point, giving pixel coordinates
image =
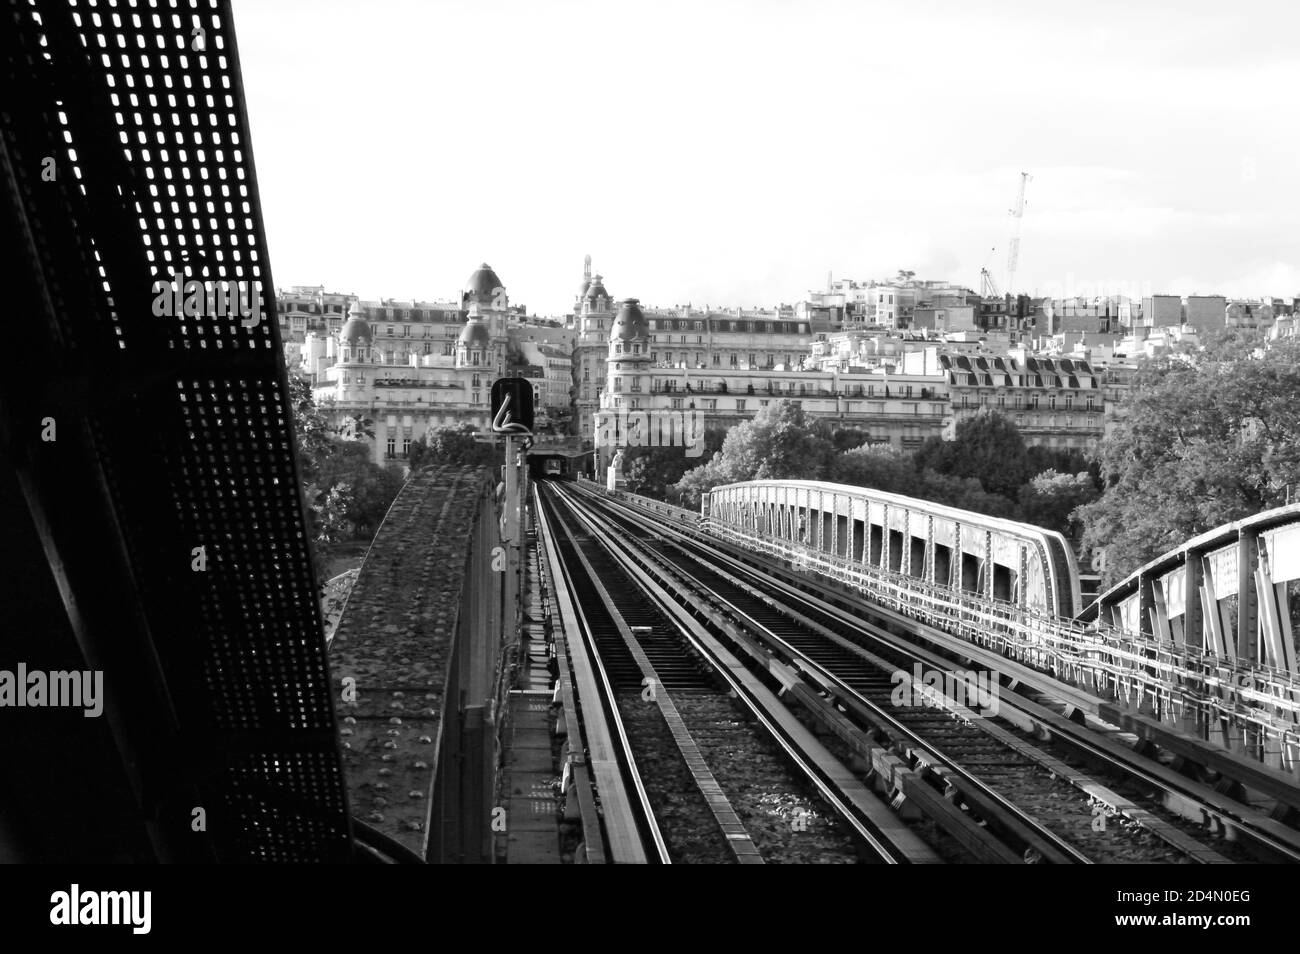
(184, 415)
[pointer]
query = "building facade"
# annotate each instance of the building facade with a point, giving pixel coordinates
(1054, 402)
(401, 371)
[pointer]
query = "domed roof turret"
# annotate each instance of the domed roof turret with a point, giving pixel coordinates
(596, 288)
(631, 323)
(475, 335)
(483, 287)
(355, 328)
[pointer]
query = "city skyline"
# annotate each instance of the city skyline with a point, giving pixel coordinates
(740, 161)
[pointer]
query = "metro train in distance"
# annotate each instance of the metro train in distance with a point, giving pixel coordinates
(904, 539)
(553, 467)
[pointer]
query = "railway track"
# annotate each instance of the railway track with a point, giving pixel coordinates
(1044, 805)
(718, 781)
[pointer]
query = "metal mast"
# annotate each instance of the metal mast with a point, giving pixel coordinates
(1013, 253)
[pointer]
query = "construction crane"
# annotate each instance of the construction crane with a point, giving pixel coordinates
(1017, 212)
(988, 287)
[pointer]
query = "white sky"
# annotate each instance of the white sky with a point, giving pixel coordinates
(732, 153)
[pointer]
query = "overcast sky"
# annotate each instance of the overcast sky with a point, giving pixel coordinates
(731, 153)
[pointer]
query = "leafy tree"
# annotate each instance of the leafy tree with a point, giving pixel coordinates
(878, 466)
(456, 445)
(841, 438)
(1051, 498)
(333, 510)
(1063, 460)
(418, 455)
(653, 471)
(882, 467)
(1209, 436)
(357, 427)
(372, 488)
(775, 443)
(311, 431)
(986, 446)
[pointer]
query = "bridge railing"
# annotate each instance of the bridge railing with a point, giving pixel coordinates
(1114, 663)
(673, 512)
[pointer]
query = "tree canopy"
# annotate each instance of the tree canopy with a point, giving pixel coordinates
(775, 443)
(1204, 437)
(986, 446)
(451, 444)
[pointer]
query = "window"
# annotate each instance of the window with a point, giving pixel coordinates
(389, 332)
(446, 348)
(361, 379)
(763, 403)
(392, 448)
(717, 359)
(406, 447)
(618, 384)
(740, 405)
(711, 404)
(476, 381)
(677, 404)
(734, 358)
(636, 384)
(586, 375)
(1051, 402)
(406, 331)
(753, 360)
(699, 358)
(1069, 401)
(699, 339)
(473, 398)
(654, 356)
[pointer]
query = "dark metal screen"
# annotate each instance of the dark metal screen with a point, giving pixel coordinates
(168, 504)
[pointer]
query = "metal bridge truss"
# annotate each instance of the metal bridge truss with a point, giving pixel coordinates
(1174, 682)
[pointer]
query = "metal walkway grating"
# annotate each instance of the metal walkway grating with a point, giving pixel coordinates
(174, 429)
